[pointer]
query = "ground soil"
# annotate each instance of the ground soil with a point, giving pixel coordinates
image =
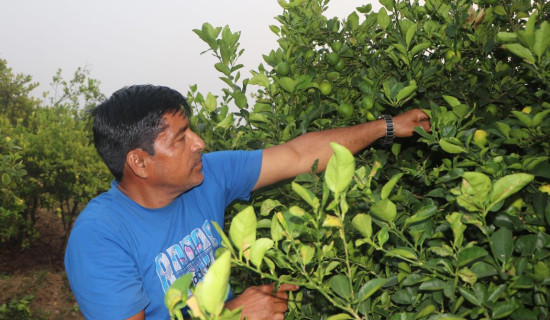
(38, 271)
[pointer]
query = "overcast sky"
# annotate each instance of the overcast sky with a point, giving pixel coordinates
(124, 42)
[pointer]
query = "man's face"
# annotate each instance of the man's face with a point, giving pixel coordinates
(177, 164)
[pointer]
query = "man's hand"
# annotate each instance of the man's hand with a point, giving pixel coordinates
(260, 303)
(404, 123)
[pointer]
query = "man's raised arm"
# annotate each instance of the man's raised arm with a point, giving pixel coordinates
(298, 155)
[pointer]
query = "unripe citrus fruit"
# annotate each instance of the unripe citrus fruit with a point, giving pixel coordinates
(332, 58)
(545, 188)
(325, 87)
(370, 116)
(345, 110)
(282, 69)
(480, 138)
(367, 103)
(492, 109)
(336, 46)
(340, 65)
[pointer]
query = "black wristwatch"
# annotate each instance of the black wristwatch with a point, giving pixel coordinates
(388, 139)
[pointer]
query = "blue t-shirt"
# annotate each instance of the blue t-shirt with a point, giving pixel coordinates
(121, 257)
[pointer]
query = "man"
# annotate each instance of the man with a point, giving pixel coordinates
(154, 224)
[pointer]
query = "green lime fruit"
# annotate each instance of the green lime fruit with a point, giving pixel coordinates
(345, 110)
(340, 65)
(336, 46)
(325, 87)
(370, 116)
(492, 109)
(282, 69)
(367, 103)
(332, 58)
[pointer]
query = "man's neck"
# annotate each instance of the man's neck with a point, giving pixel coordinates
(145, 195)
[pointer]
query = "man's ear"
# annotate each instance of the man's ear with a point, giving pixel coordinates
(136, 161)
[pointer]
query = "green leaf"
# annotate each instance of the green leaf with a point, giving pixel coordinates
(210, 103)
(258, 250)
(523, 118)
(542, 39)
(432, 285)
(268, 205)
(307, 253)
(388, 187)
(405, 92)
(410, 34)
(243, 229)
(276, 229)
(520, 51)
(471, 254)
(363, 223)
(287, 84)
(403, 253)
(223, 68)
(340, 316)
(369, 288)
(225, 241)
(307, 195)
(420, 47)
(384, 210)
(470, 296)
(502, 244)
(340, 169)
(172, 297)
(452, 101)
(507, 36)
(508, 185)
(260, 79)
(450, 147)
(213, 290)
(340, 285)
(503, 309)
(383, 19)
(422, 214)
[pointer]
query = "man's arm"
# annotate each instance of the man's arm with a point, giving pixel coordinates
(298, 155)
(138, 316)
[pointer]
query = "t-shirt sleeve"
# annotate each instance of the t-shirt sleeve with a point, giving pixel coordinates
(103, 277)
(236, 171)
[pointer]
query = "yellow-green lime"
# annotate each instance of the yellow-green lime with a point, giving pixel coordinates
(345, 110)
(325, 87)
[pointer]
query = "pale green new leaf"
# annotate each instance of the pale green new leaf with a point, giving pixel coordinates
(243, 229)
(307, 195)
(384, 209)
(213, 290)
(520, 51)
(508, 185)
(258, 250)
(340, 169)
(363, 223)
(388, 187)
(383, 19)
(450, 147)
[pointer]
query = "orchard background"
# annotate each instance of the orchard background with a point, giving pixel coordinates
(452, 224)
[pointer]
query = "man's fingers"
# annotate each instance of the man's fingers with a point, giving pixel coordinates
(288, 287)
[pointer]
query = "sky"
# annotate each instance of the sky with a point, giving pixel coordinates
(125, 42)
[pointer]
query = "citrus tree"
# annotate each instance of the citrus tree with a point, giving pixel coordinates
(451, 224)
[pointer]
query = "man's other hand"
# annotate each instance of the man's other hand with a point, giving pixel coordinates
(404, 123)
(261, 303)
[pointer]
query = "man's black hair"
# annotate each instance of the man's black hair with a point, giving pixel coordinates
(132, 118)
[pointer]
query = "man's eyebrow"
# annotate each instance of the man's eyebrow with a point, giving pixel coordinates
(182, 129)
